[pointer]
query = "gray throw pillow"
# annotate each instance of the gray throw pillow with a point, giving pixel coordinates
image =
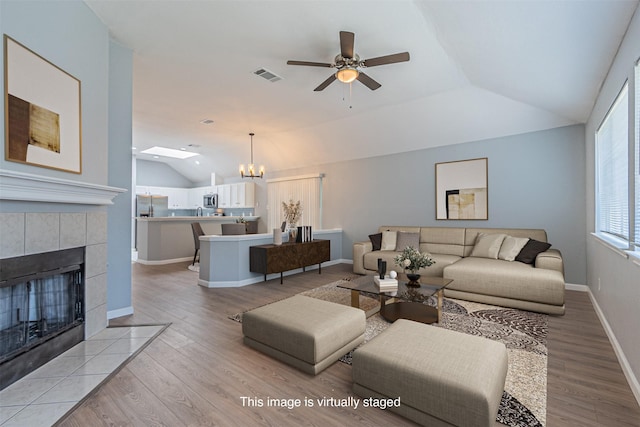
(488, 245)
(406, 239)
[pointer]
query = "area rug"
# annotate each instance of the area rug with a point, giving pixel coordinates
(524, 400)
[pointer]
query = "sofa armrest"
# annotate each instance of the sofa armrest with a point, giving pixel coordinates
(550, 260)
(359, 249)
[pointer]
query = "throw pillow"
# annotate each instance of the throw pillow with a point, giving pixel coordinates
(389, 241)
(488, 245)
(531, 250)
(511, 247)
(406, 239)
(376, 241)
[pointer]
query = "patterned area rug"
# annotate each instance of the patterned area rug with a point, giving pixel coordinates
(524, 400)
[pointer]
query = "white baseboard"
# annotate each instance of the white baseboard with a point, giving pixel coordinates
(574, 287)
(634, 384)
(164, 261)
(114, 314)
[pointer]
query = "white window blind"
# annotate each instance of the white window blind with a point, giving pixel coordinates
(636, 232)
(307, 189)
(612, 161)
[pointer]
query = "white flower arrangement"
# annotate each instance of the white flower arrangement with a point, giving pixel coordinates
(411, 259)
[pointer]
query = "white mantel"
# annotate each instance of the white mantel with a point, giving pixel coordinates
(20, 186)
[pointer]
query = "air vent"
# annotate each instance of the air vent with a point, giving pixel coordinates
(266, 74)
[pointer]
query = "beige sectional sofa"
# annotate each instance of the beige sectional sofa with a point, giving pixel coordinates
(535, 287)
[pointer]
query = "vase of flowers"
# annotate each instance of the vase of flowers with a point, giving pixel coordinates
(292, 214)
(412, 260)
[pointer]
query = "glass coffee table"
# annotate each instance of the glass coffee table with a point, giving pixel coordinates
(407, 303)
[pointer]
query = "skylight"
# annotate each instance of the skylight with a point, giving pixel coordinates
(169, 152)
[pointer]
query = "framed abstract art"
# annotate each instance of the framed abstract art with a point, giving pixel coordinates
(43, 113)
(462, 189)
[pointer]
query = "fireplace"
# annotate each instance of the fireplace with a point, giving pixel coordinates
(41, 309)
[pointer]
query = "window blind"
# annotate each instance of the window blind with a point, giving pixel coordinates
(636, 232)
(307, 189)
(612, 149)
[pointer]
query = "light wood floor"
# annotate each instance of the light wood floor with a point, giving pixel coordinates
(196, 372)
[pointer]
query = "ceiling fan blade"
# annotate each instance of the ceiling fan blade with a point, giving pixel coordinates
(310, 64)
(368, 81)
(347, 40)
(387, 59)
(325, 83)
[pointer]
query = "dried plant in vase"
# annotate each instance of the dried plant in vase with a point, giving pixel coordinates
(292, 214)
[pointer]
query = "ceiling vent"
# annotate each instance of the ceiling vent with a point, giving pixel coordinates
(266, 74)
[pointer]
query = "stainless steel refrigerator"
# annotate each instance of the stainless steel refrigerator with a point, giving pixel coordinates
(152, 205)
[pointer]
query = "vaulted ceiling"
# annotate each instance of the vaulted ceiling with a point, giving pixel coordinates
(479, 69)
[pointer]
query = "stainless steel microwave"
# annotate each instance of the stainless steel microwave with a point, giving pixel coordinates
(210, 201)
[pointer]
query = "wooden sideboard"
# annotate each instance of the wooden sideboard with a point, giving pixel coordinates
(267, 259)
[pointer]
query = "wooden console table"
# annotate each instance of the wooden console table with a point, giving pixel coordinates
(267, 259)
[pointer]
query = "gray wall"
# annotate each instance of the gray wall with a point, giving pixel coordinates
(120, 166)
(158, 174)
(45, 27)
(536, 180)
(613, 279)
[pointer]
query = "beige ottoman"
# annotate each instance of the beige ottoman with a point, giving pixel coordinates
(307, 333)
(443, 378)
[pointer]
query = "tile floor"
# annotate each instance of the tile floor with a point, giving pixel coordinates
(47, 394)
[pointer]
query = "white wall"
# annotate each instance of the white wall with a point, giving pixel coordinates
(613, 279)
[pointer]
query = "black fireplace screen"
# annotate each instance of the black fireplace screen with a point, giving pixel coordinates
(32, 310)
(41, 304)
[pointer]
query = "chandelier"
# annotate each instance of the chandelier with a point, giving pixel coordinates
(251, 172)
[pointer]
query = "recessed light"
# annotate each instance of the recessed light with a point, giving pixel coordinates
(197, 162)
(169, 152)
(156, 157)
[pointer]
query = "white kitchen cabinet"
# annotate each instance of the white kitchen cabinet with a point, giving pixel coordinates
(194, 198)
(238, 195)
(243, 195)
(178, 198)
(224, 196)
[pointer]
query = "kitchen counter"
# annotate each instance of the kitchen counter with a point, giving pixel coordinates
(169, 239)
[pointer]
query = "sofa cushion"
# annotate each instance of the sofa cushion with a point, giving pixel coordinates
(389, 240)
(511, 247)
(376, 241)
(405, 240)
(531, 250)
(487, 245)
(510, 280)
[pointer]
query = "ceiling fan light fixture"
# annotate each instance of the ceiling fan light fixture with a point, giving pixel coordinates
(347, 74)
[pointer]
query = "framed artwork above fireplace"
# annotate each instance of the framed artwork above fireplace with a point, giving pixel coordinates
(43, 118)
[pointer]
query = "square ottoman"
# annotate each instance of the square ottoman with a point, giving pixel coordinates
(307, 333)
(443, 377)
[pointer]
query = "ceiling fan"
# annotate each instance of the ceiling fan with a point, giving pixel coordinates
(349, 64)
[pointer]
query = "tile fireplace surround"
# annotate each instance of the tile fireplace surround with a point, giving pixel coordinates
(73, 214)
(31, 232)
